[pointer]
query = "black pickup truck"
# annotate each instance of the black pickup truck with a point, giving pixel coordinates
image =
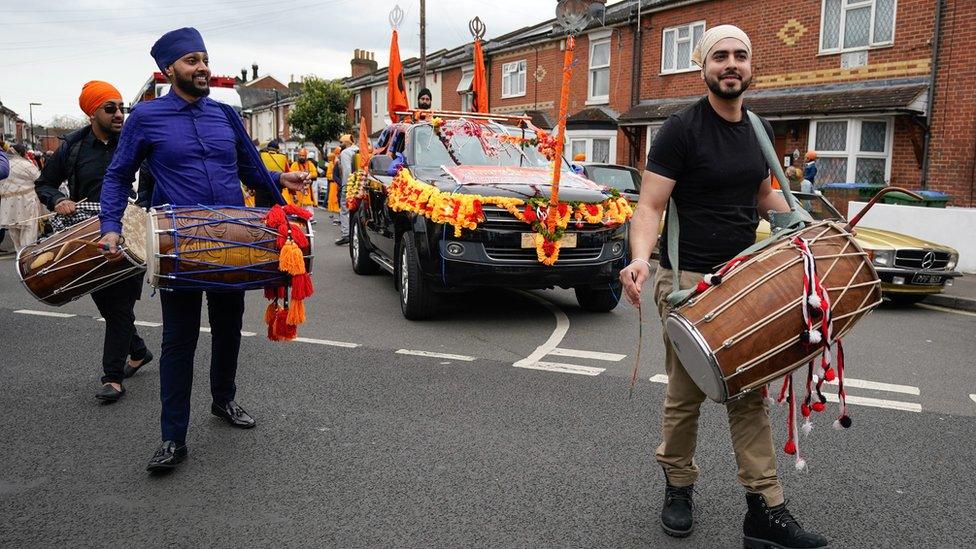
(427, 259)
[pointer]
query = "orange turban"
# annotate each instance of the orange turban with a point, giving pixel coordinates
(96, 93)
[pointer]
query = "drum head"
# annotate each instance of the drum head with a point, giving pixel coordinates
(695, 356)
(134, 231)
(152, 248)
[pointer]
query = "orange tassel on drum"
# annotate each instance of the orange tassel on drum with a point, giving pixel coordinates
(296, 313)
(291, 260)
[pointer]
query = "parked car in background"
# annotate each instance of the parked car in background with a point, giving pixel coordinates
(625, 179)
(910, 268)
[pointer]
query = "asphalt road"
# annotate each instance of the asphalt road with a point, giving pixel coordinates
(359, 445)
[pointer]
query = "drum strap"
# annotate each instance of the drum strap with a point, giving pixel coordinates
(793, 220)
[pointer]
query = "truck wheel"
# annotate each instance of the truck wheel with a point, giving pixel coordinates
(599, 299)
(359, 251)
(417, 300)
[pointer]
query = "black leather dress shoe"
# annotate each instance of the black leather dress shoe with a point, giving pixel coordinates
(233, 414)
(342, 241)
(167, 457)
(109, 394)
(129, 371)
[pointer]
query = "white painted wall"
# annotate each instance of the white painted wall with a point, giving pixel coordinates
(954, 227)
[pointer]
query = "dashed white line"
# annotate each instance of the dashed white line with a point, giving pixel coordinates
(973, 397)
(878, 386)
(148, 324)
(44, 313)
(560, 367)
(595, 355)
(851, 399)
(562, 326)
(944, 309)
(207, 330)
(326, 342)
(435, 355)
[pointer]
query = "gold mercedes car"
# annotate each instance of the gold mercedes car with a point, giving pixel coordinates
(910, 268)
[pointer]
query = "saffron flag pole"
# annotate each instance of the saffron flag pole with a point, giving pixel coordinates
(396, 98)
(479, 82)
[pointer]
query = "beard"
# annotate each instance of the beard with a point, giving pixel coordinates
(715, 85)
(187, 86)
(106, 127)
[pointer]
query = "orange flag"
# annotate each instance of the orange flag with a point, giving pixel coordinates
(396, 94)
(365, 151)
(479, 84)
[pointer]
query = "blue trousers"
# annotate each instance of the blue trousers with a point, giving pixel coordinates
(181, 329)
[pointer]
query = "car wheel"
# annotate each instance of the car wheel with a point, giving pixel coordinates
(359, 251)
(601, 298)
(417, 300)
(905, 300)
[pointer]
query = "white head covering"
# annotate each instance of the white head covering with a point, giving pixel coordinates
(715, 35)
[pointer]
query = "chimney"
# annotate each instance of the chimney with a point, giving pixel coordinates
(243, 75)
(363, 62)
(254, 71)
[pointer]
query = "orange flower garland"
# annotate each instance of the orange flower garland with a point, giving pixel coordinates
(354, 190)
(464, 211)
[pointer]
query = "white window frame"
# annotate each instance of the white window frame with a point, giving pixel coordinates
(691, 48)
(596, 39)
(589, 136)
(376, 101)
(513, 70)
(853, 144)
(650, 134)
(357, 108)
(844, 8)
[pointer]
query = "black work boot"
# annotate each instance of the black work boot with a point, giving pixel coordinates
(768, 527)
(676, 516)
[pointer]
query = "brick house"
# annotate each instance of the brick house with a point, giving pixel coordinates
(850, 79)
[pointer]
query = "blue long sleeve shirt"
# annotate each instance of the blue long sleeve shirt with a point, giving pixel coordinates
(191, 149)
(4, 166)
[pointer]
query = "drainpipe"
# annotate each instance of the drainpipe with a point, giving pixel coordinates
(926, 148)
(635, 80)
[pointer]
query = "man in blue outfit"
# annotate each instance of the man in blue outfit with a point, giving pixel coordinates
(198, 152)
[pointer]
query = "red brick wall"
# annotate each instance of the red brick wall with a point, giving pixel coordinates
(450, 99)
(906, 169)
(953, 147)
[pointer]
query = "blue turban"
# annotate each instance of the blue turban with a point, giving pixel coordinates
(175, 44)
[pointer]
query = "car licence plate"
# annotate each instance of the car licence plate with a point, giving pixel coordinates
(927, 279)
(567, 241)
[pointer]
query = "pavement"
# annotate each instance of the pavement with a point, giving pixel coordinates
(961, 295)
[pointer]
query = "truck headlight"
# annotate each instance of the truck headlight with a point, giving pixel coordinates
(953, 260)
(883, 258)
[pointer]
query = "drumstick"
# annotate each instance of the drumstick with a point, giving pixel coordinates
(640, 339)
(45, 216)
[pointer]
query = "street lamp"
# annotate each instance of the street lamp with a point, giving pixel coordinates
(30, 108)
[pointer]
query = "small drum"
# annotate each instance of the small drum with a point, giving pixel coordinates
(69, 265)
(741, 334)
(215, 248)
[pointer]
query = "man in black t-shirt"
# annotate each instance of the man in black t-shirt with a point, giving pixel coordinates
(708, 160)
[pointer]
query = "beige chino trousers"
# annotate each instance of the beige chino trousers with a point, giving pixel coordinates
(752, 438)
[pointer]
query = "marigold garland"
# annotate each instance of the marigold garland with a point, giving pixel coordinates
(355, 191)
(465, 211)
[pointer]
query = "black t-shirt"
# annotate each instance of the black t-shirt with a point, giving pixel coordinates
(84, 176)
(718, 166)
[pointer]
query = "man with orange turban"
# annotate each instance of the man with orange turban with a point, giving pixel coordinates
(82, 160)
(309, 196)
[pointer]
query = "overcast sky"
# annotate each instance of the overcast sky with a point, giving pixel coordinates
(48, 53)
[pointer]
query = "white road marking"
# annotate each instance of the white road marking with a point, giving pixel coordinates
(877, 386)
(148, 324)
(326, 342)
(861, 401)
(595, 355)
(560, 367)
(973, 397)
(206, 330)
(435, 355)
(878, 403)
(562, 326)
(44, 313)
(944, 309)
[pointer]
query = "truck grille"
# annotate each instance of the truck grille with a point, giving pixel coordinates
(498, 219)
(566, 255)
(921, 259)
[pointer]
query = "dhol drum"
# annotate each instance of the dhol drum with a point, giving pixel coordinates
(215, 248)
(69, 265)
(744, 332)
